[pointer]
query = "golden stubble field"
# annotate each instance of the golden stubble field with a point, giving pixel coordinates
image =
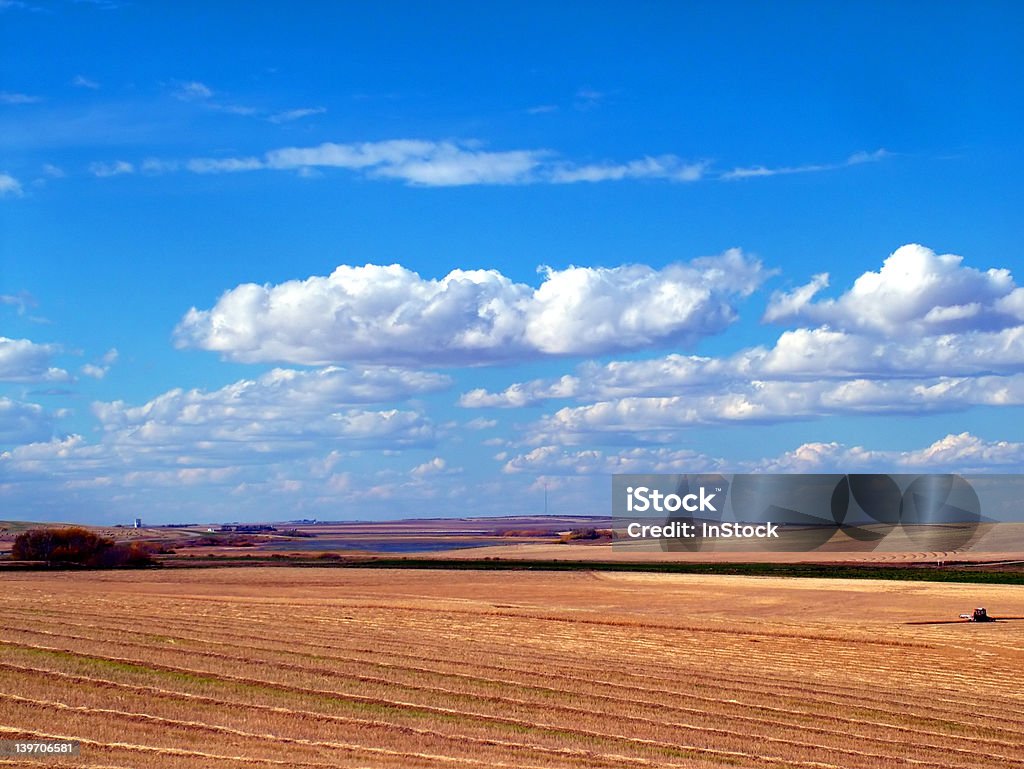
(282, 667)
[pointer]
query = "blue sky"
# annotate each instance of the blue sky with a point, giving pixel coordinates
(348, 262)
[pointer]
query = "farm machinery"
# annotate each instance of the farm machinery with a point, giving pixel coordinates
(979, 615)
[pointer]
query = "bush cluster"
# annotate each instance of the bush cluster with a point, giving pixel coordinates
(585, 534)
(77, 546)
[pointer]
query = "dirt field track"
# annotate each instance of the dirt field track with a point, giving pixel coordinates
(267, 667)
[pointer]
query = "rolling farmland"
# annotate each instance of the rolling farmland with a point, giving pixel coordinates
(325, 668)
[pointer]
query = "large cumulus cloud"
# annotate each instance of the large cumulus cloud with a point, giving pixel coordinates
(916, 291)
(925, 333)
(390, 314)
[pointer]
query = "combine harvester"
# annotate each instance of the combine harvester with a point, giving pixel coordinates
(979, 615)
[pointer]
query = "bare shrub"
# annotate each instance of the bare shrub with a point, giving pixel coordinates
(75, 545)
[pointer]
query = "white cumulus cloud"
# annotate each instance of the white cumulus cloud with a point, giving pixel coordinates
(555, 460)
(798, 355)
(432, 467)
(283, 404)
(101, 368)
(189, 437)
(22, 422)
(760, 402)
(391, 314)
(961, 452)
(22, 360)
(961, 343)
(93, 371)
(916, 290)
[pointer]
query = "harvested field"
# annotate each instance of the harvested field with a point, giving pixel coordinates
(373, 668)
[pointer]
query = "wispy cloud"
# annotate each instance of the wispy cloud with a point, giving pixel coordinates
(9, 186)
(7, 97)
(235, 109)
(103, 5)
(81, 81)
(290, 115)
(445, 163)
(23, 301)
(116, 168)
(17, 5)
(417, 162)
(662, 167)
(582, 100)
(192, 90)
(158, 166)
(430, 163)
(199, 93)
(858, 158)
(214, 166)
(588, 98)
